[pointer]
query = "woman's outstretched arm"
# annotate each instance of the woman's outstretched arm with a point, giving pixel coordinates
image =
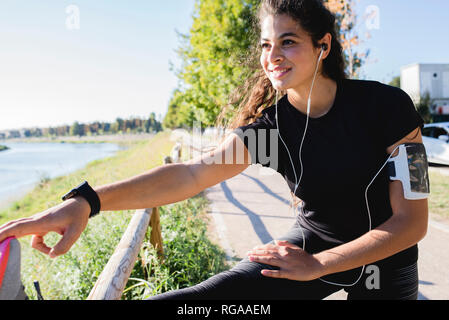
(160, 186)
(175, 182)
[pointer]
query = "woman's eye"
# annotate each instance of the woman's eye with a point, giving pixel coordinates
(264, 45)
(287, 42)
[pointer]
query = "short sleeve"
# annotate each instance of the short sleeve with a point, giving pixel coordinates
(262, 140)
(398, 117)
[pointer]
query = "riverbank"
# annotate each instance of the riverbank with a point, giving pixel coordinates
(7, 202)
(122, 139)
(96, 171)
(27, 164)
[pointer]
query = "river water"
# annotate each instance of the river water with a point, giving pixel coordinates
(25, 164)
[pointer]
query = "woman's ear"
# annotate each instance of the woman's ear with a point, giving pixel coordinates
(326, 45)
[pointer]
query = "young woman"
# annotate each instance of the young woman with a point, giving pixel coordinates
(335, 135)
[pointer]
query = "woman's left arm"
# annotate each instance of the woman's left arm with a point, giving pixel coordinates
(406, 227)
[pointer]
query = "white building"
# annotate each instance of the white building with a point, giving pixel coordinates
(420, 78)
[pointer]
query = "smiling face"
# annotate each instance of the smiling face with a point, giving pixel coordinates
(288, 55)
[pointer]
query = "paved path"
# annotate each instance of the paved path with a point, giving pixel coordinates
(253, 208)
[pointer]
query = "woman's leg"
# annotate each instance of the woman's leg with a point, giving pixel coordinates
(245, 281)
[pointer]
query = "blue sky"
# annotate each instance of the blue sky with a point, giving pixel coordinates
(409, 31)
(117, 64)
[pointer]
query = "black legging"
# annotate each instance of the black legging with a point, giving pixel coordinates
(245, 282)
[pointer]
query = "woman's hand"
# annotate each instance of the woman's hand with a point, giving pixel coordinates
(69, 219)
(294, 263)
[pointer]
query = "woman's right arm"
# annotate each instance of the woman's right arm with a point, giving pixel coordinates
(175, 182)
(160, 186)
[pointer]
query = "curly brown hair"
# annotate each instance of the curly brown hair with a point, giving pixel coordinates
(257, 93)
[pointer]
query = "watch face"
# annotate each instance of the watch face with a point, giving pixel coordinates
(69, 195)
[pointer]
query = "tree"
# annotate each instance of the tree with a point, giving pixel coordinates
(114, 128)
(63, 130)
(423, 107)
(395, 82)
(181, 111)
(106, 127)
(211, 56)
(120, 124)
(27, 133)
(154, 125)
(76, 129)
(346, 22)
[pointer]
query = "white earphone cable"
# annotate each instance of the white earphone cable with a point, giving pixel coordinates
(309, 102)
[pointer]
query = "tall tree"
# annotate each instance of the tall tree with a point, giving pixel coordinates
(423, 107)
(77, 129)
(350, 40)
(211, 56)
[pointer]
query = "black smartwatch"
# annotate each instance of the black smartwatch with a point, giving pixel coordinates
(85, 191)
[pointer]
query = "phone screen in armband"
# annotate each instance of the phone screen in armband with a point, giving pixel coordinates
(410, 167)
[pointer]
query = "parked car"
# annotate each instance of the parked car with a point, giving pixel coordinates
(436, 141)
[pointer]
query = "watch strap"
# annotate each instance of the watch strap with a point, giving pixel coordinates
(85, 190)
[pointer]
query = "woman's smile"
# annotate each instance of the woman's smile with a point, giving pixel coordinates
(279, 72)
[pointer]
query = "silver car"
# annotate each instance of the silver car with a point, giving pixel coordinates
(436, 141)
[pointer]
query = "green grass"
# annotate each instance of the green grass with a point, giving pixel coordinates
(72, 276)
(189, 256)
(439, 198)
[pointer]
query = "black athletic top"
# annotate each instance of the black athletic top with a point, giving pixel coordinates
(343, 150)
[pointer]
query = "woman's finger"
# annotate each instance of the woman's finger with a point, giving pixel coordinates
(21, 228)
(273, 273)
(271, 260)
(63, 246)
(262, 252)
(7, 229)
(265, 248)
(284, 243)
(37, 242)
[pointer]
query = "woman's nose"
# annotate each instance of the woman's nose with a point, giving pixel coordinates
(275, 55)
